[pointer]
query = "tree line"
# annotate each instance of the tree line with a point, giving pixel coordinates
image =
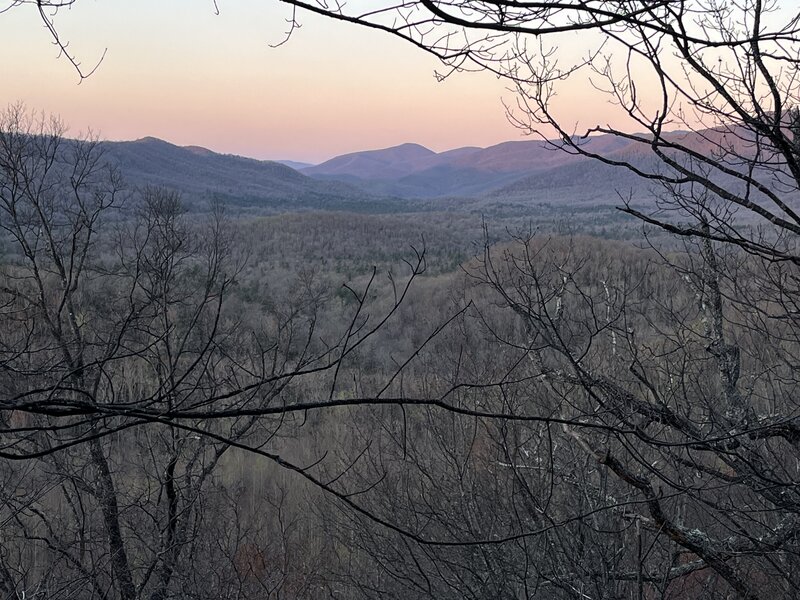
(571, 419)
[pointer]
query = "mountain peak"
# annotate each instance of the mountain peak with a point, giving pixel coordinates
(385, 163)
(149, 139)
(410, 146)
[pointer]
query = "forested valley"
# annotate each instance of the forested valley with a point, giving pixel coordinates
(436, 403)
(564, 367)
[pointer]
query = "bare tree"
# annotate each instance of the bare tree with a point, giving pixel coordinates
(667, 397)
(127, 376)
(705, 96)
(684, 400)
(620, 424)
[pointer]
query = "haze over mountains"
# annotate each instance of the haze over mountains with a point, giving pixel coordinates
(397, 178)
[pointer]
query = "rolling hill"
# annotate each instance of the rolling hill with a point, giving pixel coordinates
(405, 177)
(263, 185)
(413, 171)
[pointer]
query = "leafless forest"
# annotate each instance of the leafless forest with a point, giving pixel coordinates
(487, 397)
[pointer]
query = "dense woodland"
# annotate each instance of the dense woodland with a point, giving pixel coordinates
(250, 383)
(415, 405)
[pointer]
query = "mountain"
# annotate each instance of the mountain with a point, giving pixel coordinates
(201, 174)
(413, 171)
(529, 169)
(582, 181)
(410, 176)
(388, 163)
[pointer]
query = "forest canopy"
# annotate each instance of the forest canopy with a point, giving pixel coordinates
(555, 417)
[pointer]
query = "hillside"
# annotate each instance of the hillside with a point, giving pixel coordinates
(385, 164)
(262, 185)
(524, 171)
(412, 171)
(404, 178)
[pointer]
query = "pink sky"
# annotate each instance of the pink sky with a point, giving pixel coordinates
(179, 72)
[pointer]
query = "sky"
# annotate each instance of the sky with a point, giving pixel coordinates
(174, 69)
(177, 70)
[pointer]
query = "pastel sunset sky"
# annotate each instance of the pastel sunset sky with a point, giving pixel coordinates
(176, 70)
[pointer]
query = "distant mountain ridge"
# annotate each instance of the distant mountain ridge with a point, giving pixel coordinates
(532, 170)
(413, 171)
(401, 177)
(201, 174)
(387, 163)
